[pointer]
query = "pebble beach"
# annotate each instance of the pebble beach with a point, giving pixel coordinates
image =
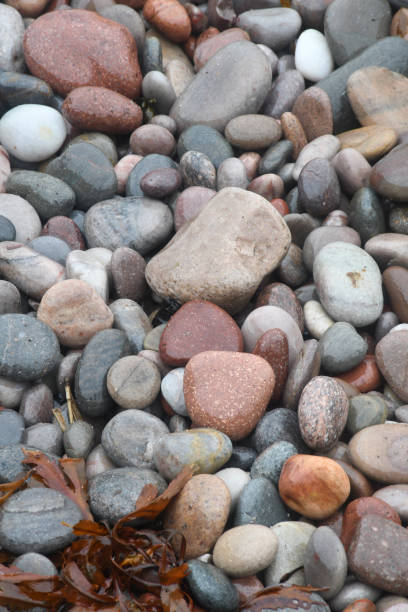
(204, 305)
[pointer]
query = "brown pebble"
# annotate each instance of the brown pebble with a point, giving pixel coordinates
(314, 111)
(28, 8)
(152, 138)
(372, 141)
(127, 268)
(360, 486)
(269, 186)
(169, 17)
(399, 23)
(67, 230)
(161, 183)
(358, 508)
(273, 347)
(364, 377)
(251, 161)
(293, 130)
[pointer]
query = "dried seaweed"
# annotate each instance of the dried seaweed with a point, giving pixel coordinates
(8, 488)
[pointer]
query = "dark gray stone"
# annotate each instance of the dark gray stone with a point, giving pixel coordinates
(154, 161)
(33, 351)
(207, 140)
(273, 27)
(152, 58)
(211, 588)
(275, 157)
(278, 424)
(129, 438)
(259, 504)
(341, 348)
(49, 195)
(247, 5)
(114, 493)
(284, 93)
(36, 520)
(101, 352)
(52, 247)
(390, 52)
(11, 427)
(17, 88)
(140, 223)
(319, 187)
(87, 171)
(242, 457)
(7, 229)
(270, 462)
(366, 214)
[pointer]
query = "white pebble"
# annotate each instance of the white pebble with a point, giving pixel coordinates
(172, 390)
(32, 132)
(235, 479)
(317, 320)
(313, 58)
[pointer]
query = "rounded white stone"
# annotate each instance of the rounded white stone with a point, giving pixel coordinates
(22, 215)
(173, 392)
(32, 132)
(235, 479)
(83, 265)
(313, 58)
(317, 320)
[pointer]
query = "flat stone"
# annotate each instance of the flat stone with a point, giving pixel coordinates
(211, 587)
(34, 351)
(269, 317)
(350, 31)
(136, 222)
(293, 537)
(199, 512)
(380, 561)
(391, 52)
(87, 171)
(259, 504)
(372, 141)
(11, 36)
(252, 132)
(231, 246)
(102, 110)
(101, 352)
(245, 550)
(196, 327)
(114, 493)
(215, 379)
(75, 312)
(360, 507)
(208, 449)
(325, 562)
(48, 195)
(313, 486)
(379, 452)
(32, 132)
(133, 382)
(322, 412)
(37, 520)
(219, 93)
(71, 57)
(172, 21)
(353, 292)
(273, 27)
(314, 111)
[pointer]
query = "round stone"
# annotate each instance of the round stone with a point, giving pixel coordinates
(79, 439)
(51, 247)
(313, 58)
(319, 187)
(32, 132)
(172, 390)
(211, 588)
(273, 347)
(341, 348)
(360, 507)
(259, 503)
(133, 382)
(270, 462)
(23, 216)
(253, 132)
(245, 550)
(207, 140)
(278, 425)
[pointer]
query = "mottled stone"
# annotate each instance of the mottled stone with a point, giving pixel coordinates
(277, 425)
(197, 170)
(270, 462)
(273, 347)
(314, 111)
(360, 507)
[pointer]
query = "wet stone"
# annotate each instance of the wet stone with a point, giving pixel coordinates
(270, 462)
(259, 504)
(211, 588)
(207, 140)
(341, 348)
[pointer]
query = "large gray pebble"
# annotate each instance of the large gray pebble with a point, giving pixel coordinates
(47, 194)
(273, 27)
(211, 588)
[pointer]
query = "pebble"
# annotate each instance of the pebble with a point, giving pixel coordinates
(156, 85)
(319, 237)
(371, 93)
(36, 564)
(11, 392)
(129, 438)
(372, 141)
(279, 294)
(75, 312)
(211, 587)
(319, 187)
(17, 88)
(113, 494)
(273, 347)
(322, 412)
(232, 244)
(36, 405)
(364, 377)
(236, 479)
(324, 147)
(270, 462)
(245, 550)
(392, 602)
(170, 18)
(140, 223)
(150, 139)
(354, 591)
(365, 411)
(277, 425)
(353, 292)
(219, 93)
(283, 93)
(131, 318)
(102, 110)
(269, 317)
(360, 507)
(101, 141)
(206, 49)
(341, 348)
(12, 427)
(129, 18)
(66, 229)
(259, 504)
(380, 562)
(378, 452)
(391, 360)
(349, 32)
(313, 58)
(11, 36)
(316, 319)
(46, 437)
(197, 170)
(232, 173)
(4, 168)
(70, 57)
(172, 391)
(207, 140)
(23, 216)
(367, 216)
(133, 382)
(159, 184)
(37, 520)
(85, 266)
(306, 366)
(127, 267)
(314, 111)
(352, 169)
(199, 512)
(293, 537)
(313, 486)
(273, 27)
(252, 132)
(395, 496)
(219, 375)
(325, 562)
(79, 439)
(208, 449)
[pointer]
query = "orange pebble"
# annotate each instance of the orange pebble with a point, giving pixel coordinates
(365, 377)
(280, 206)
(169, 17)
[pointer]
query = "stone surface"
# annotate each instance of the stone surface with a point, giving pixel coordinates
(388, 248)
(236, 480)
(12, 427)
(395, 496)
(37, 404)
(219, 93)
(325, 562)
(22, 215)
(66, 229)
(348, 283)
(322, 413)
(372, 141)
(206, 49)
(352, 592)
(114, 493)
(305, 367)
(75, 312)
(283, 94)
(277, 425)
(133, 382)
(319, 187)
(245, 550)
(170, 18)
(313, 58)
(379, 452)
(341, 348)
(199, 512)
(207, 140)
(313, 486)
(270, 462)
(259, 504)
(324, 147)
(391, 358)
(380, 561)
(293, 537)
(131, 318)
(69, 44)
(218, 395)
(252, 132)
(79, 439)
(11, 36)
(319, 237)
(211, 587)
(128, 266)
(313, 109)
(273, 27)
(129, 438)
(231, 246)
(360, 507)
(387, 177)
(273, 347)
(33, 521)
